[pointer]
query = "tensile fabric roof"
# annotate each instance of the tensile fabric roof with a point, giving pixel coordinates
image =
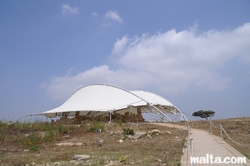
(100, 99)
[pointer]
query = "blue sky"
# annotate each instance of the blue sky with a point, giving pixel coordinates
(194, 53)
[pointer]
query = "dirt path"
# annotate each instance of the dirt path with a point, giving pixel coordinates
(209, 148)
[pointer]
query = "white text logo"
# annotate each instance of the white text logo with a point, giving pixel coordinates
(210, 159)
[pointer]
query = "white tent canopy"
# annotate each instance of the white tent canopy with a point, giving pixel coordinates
(95, 100)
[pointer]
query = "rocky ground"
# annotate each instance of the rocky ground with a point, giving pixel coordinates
(90, 144)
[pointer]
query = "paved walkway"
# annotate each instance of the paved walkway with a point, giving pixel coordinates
(209, 148)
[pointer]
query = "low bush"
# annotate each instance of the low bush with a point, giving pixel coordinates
(62, 129)
(49, 137)
(128, 131)
(45, 127)
(34, 148)
(31, 140)
(96, 126)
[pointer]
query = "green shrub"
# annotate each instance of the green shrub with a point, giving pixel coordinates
(122, 159)
(18, 126)
(2, 124)
(34, 148)
(62, 129)
(49, 137)
(31, 139)
(45, 127)
(95, 126)
(119, 122)
(183, 141)
(128, 131)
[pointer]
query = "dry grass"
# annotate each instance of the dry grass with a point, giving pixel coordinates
(35, 144)
(237, 128)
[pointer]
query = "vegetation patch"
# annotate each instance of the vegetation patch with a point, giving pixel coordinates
(36, 144)
(128, 131)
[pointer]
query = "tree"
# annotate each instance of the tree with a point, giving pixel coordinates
(204, 114)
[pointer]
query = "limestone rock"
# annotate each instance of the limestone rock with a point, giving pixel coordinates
(81, 157)
(168, 132)
(155, 131)
(139, 135)
(70, 144)
(56, 163)
(111, 163)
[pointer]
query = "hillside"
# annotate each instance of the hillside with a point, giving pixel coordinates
(57, 144)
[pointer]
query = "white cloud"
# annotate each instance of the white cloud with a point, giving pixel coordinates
(114, 16)
(120, 45)
(94, 14)
(105, 25)
(63, 86)
(68, 9)
(171, 62)
(181, 59)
